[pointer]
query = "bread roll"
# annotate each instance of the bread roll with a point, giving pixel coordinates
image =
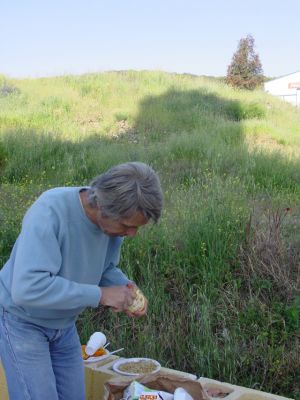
(139, 302)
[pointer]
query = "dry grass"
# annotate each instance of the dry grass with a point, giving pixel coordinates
(266, 256)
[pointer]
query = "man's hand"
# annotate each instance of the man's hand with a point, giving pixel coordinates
(119, 298)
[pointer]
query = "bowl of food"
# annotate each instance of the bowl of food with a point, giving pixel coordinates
(136, 366)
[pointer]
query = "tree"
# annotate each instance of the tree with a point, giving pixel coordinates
(245, 70)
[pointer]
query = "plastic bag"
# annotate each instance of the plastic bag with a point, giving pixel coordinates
(181, 394)
(137, 391)
(114, 389)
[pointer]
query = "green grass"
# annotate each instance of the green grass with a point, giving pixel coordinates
(216, 308)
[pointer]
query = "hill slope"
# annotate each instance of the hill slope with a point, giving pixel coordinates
(221, 269)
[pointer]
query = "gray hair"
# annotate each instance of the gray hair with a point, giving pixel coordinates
(126, 189)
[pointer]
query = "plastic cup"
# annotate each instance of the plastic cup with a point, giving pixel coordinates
(97, 340)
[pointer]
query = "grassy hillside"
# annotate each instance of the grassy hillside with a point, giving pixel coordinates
(221, 269)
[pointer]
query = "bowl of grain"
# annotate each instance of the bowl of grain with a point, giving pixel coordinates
(136, 366)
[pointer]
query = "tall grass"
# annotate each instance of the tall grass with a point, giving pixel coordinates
(220, 154)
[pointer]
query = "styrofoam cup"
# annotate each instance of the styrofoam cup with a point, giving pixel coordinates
(97, 340)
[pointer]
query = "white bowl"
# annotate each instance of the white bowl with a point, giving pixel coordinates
(122, 361)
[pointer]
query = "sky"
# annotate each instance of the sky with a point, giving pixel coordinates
(57, 37)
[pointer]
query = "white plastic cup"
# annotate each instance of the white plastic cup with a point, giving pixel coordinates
(97, 340)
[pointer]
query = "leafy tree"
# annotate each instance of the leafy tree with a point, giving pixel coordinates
(245, 70)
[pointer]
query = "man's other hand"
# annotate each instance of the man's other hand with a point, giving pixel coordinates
(119, 298)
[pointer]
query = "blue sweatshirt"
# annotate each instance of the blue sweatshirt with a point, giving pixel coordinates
(58, 262)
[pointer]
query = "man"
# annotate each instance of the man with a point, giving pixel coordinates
(65, 259)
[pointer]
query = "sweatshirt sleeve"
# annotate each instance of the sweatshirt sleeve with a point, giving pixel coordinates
(112, 275)
(35, 281)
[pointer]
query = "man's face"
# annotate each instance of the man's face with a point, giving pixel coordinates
(121, 227)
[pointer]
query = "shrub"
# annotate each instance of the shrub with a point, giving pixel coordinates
(239, 111)
(267, 262)
(6, 89)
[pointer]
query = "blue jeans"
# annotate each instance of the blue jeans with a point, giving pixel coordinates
(40, 363)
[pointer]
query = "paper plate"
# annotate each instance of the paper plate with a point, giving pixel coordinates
(122, 361)
(95, 359)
